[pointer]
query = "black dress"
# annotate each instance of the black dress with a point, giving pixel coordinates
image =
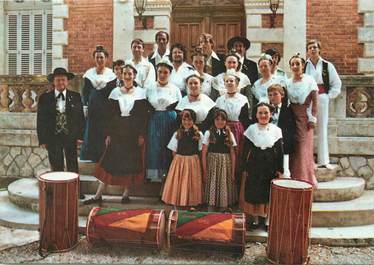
(122, 158)
(261, 162)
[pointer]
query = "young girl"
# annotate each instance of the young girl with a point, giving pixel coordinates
(263, 161)
(183, 185)
(218, 157)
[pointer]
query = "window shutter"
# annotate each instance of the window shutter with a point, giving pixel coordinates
(12, 23)
(49, 44)
(29, 42)
(38, 44)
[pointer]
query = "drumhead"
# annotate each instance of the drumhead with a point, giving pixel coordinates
(59, 176)
(292, 184)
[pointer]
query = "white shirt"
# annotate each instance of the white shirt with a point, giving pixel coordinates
(263, 137)
(158, 57)
(173, 144)
(161, 97)
(146, 72)
(60, 103)
(260, 91)
(275, 116)
(316, 73)
(206, 86)
(202, 106)
(99, 81)
(178, 77)
(232, 105)
(126, 100)
(206, 140)
(219, 82)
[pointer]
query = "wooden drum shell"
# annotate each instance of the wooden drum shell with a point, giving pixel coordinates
(235, 246)
(289, 223)
(153, 236)
(58, 213)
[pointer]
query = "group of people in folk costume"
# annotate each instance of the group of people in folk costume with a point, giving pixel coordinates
(214, 133)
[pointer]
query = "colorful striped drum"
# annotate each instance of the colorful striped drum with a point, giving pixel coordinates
(223, 232)
(137, 227)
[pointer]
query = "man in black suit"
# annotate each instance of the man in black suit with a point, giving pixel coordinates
(214, 64)
(60, 122)
(240, 45)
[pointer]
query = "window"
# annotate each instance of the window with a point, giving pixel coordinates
(29, 42)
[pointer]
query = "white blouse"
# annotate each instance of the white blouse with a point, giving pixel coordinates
(219, 82)
(298, 91)
(232, 105)
(99, 81)
(161, 97)
(206, 86)
(173, 144)
(263, 137)
(206, 140)
(202, 106)
(146, 73)
(126, 100)
(260, 91)
(178, 77)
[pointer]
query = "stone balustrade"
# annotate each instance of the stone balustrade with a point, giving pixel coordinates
(21, 93)
(351, 127)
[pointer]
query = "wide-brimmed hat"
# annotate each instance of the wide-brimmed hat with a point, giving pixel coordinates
(244, 40)
(60, 71)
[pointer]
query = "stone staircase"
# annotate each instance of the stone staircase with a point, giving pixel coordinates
(342, 212)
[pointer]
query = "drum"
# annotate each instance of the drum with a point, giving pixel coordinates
(289, 221)
(58, 211)
(196, 231)
(135, 227)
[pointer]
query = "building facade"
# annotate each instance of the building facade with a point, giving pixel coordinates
(38, 35)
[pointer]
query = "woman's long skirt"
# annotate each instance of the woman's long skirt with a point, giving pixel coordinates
(183, 185)
(220, 190)
(161, 127)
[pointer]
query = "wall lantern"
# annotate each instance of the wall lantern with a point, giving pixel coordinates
(140, 9)
(273, 4)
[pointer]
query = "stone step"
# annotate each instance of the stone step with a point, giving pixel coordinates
(339, 189)
(25, 194)
(86, 167)
(351, 236)
(150, 189)
(359, 211)
(326, 174)
(90, 183)
(16, 217)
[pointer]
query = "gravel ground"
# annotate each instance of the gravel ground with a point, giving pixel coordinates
(255, 254)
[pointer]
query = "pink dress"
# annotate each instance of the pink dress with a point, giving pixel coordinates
(303, 96)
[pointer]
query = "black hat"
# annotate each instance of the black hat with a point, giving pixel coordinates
(60, 71)
(244, 40)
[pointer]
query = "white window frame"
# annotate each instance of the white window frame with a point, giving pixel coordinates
(31, 50)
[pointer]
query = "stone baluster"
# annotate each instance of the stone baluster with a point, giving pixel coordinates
(5, 101)
(27, 100)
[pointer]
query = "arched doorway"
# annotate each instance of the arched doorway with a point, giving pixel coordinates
(221, 18)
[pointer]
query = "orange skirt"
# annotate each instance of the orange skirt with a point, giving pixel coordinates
(249, 208)
(183, 185)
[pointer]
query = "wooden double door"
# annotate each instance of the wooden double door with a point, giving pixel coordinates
(222, 19)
